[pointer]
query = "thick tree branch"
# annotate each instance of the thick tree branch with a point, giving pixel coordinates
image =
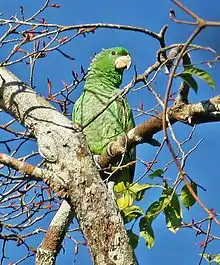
(66, 153)
(202, 112)
(198, 113)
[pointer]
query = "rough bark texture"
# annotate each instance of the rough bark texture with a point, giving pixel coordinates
(52, 242)
(197, 113)
(68, 158)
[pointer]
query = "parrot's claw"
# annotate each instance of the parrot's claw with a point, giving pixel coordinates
(120, 149)
(109, 149)
(96, 159)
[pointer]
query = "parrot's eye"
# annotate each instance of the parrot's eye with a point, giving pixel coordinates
(113, 52)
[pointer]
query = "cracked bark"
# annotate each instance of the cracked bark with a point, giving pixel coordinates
(68, 157)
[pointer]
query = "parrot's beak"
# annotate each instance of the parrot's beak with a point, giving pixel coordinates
(123, 62)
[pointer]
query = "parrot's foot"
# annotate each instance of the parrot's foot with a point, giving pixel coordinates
(96, 159)
(111, 152)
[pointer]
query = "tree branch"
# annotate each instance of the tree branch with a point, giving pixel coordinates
(52, 242)
(67, 155)
(202, 112)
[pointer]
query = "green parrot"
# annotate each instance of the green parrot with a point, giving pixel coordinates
(102, 84)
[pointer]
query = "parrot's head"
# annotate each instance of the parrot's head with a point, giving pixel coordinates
(110, 64)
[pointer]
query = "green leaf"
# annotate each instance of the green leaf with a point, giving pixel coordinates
(139, 187)
(138, 190)
(212, 258)
(147, 232)
(156, 173)
(205, 76)
(133, 238)
(123, 197)
(186, 197)
(207, 257)
(189, 80)
(120, 187)
(124, 200)
(155, 209)
(132, 212)
(216, 259)
(173, 212)
(158, 206)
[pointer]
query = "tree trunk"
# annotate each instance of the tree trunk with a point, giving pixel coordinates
(70, 171)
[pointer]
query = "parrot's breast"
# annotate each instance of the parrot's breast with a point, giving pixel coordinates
(112, 122)
(109, 125)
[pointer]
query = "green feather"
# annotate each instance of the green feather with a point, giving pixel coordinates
(102, 83)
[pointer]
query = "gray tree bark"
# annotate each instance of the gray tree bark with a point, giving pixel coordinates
(70, 171)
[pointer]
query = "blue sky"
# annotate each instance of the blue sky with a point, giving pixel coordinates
(203, 164)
